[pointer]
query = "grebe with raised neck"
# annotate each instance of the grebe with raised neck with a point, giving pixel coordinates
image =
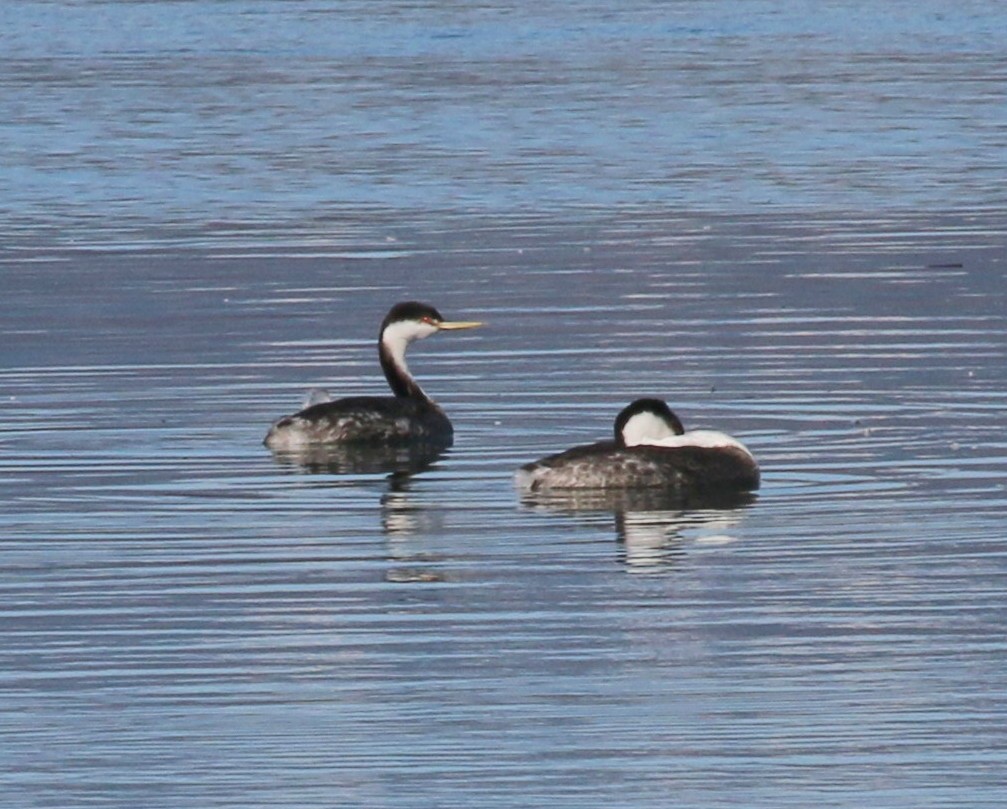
(407, 416)
(650, 449)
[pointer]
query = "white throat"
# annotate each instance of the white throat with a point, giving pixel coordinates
(397, 336)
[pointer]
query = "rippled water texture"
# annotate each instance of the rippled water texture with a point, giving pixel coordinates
(189, 621)
(117, 115)
(785, 219)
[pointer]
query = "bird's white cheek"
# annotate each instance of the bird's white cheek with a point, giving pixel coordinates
(400, 334)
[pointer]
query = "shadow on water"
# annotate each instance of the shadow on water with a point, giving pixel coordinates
(651, 525)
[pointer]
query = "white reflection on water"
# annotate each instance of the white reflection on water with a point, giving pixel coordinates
(652, 528)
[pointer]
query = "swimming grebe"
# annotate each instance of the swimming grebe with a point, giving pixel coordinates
(651, 450)
(408, 416)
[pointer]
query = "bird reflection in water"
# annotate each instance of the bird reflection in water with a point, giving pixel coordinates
(652, 526)
(362, 459)
(402, 517)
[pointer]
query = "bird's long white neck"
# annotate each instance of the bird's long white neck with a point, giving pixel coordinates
(395, 339)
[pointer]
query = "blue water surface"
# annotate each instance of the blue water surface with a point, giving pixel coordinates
(787, 219)
(131, 114)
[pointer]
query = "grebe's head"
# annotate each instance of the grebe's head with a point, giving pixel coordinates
(412, 320)
(645, 421)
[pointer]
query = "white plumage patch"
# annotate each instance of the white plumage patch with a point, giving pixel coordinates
(316, 396)
(709, 439)
(646, 428)
(397, 336)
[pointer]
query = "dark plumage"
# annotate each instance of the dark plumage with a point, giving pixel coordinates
(367, 419)
(408, 416)
(701, 461)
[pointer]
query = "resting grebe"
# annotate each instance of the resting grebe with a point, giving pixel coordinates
(651, 450)
(408, 416)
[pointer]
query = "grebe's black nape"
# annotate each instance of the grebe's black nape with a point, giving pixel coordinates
(408, 416)
(651, 450)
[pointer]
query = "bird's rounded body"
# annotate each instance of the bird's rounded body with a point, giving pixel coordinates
(362, 420)
(650, 450)
(606, 465)
(408, 416)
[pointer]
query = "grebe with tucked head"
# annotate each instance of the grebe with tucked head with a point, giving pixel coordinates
(408, 416)
(651, 449)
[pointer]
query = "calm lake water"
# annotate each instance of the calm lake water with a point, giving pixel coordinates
(788, 222)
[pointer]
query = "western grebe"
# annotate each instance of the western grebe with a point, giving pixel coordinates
(408, 416)
(651, 450)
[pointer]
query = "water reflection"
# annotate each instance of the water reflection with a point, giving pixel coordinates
(401, 515)
(402, 519)
(652, 526)
(339, 459)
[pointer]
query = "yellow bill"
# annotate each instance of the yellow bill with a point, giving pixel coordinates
(452, 325)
